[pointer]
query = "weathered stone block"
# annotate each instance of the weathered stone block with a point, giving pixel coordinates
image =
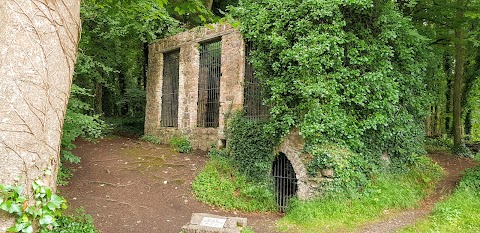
(209, 223)
(328, 173)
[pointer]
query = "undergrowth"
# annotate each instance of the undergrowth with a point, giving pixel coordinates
(181, 144)
(390, 191)
(44, 213)
(458, 213)
(80, 222)
(151, 139)
(220, 184)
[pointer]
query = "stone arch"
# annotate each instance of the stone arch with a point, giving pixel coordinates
(292, 147)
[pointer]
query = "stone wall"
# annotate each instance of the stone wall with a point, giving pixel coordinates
(231, 82)
(308, 186)
(231, 97)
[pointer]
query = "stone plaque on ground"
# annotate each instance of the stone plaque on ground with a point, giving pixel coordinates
(206, 223)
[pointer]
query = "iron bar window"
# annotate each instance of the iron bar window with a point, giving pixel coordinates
(209, 84)
(253, 93)
(169, 117)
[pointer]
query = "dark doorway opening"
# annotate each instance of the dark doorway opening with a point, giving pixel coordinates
(169, 117)
(209, 84)
(285, 181)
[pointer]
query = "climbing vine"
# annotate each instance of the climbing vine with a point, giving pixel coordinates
(348, 73)
(41, 213)
(251, 147)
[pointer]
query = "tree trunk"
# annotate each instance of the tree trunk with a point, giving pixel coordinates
(145, 66)
(98, 97)
(457, 82)
(209, 4)
(38, 47)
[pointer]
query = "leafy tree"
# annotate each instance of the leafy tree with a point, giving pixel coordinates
(452, 25)
(113, 53)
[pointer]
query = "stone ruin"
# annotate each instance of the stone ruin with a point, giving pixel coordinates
(196, 79)
(195, 112)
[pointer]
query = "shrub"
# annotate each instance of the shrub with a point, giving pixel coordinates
(251, 147)
(351, 171)
(78, 123)
(181, 144)
(80, 222)
(220, 184)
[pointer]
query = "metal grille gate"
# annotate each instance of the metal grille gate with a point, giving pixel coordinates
(285, 181)
(170, 89)
(209, 84)
(253, 92)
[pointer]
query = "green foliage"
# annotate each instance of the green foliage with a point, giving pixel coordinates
(474, 105)
(191, 12)
(389, 191)
(247, 230)
(181, 144)
(476, 157)
(458, 213)
(112, 58)
(64, 175)
(126, 125)
(43, 212)
(251, 147)
(462, 150)
(443, 143)
(352, 172)
(220, 184)
(78, 223)
(78, 123)
(151, 139)
(349, 73)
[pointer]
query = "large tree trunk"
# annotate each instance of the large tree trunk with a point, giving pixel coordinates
(38, 46)
(457, 82)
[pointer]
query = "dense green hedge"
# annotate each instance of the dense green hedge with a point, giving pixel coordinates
(251, 147)
(347, 73)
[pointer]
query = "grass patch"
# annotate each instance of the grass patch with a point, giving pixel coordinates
(220, 184)
(152, 139)
(247, 230)
(80, 222)
(390, 191)
(476, 157)
(459, 213)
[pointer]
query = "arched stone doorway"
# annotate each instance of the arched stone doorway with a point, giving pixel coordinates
(285, 181)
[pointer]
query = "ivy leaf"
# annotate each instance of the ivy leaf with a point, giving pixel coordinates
(46, 220)
(55, 201)
(14, 208)
(29, 229)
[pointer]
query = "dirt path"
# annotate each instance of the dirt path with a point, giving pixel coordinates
(132, 186)
(453, 166)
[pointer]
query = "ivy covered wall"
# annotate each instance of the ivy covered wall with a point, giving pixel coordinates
(350, 75)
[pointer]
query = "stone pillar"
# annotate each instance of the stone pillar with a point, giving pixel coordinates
(154, 90)
(231, 82)
(189, 61)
